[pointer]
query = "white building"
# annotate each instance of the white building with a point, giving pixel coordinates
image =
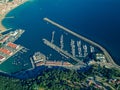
(4, 1)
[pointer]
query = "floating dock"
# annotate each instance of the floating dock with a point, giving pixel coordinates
(72, 44)
(79, 48)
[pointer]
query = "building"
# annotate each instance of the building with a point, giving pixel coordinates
(5, 51)
(2, 58)
(37, 57)
(67, 64)
(12, 45)
(4, 39)
(4, 1)
(100, 57)
(54, 63)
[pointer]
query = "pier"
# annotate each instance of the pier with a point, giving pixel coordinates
(73, 47)
(108, 57)
(53, 34)
(9, 17)
(92, 49)
(53, 46)
(61, 42)
(33, 65)
(5, 30)
(79, 48)
(85, 50)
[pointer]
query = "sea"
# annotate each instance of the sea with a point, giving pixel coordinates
(98, 20)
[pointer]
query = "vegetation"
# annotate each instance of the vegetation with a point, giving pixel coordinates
(55, 79)
(63, 79)
(9, 83)
(10, 0)
(1, 45)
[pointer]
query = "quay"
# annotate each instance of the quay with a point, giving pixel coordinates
(33, 65)
(8, 48)
(107, 55)
(9, 17)
(6, 58)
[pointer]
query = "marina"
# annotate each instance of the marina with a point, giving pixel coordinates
(108, 57)
(51, 56)
(79, 50)
(59, 50)
(76, 50)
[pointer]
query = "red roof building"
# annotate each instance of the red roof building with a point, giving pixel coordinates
(53, 63)
(6, 51)
(12, 45)
(4, 39)
(40, 63)
(1, 58)
(67, 64)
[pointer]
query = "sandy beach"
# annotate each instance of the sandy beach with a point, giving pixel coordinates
(1, 26)
(6, 8)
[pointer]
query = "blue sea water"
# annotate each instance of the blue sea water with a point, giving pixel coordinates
(98, 20)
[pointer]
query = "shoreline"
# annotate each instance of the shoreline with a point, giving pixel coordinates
(5, 9)
(2, 28)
